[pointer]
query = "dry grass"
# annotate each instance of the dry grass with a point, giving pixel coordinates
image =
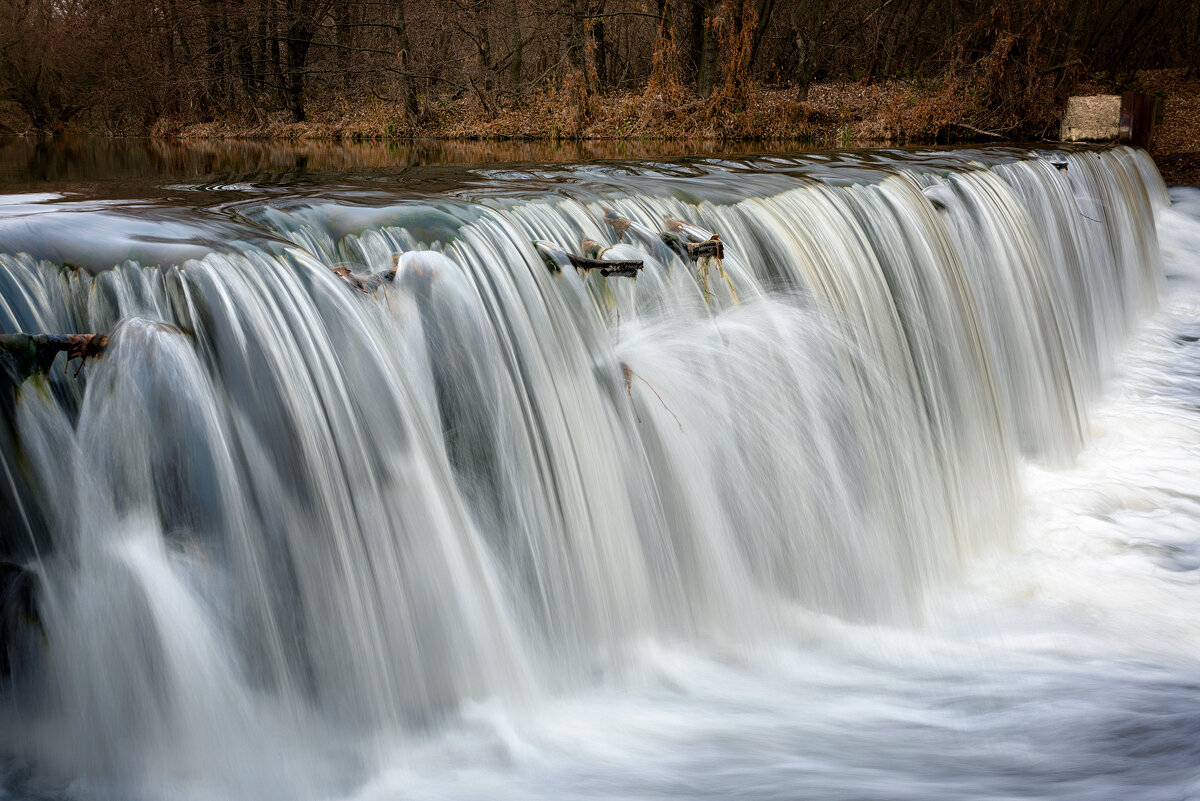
(337, 119)
(836, 114)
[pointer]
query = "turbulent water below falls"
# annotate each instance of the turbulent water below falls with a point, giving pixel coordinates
(897, 501)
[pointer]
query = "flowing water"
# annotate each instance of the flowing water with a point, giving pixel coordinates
(895, 501)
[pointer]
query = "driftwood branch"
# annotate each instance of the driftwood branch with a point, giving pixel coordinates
(363, 283)
(630, 374)
(554, 257)
(683, 239)
(22, 355)
(979, 131)
(680, 237)
(370, 282)
(713, 248)
(606, 267)
(704, 250)
(696, 245)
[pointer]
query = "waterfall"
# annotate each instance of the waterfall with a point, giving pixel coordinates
(281, 505)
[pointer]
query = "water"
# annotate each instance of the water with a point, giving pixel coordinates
(896, 502)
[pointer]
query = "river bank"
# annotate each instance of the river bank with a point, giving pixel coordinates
(1176, 146)
(834, 115)
(631, 125)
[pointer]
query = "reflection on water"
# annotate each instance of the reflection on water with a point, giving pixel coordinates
(116, 163)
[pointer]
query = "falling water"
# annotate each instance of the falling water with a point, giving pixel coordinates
(289, 537)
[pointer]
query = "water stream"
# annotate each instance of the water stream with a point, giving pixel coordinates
(895, 501)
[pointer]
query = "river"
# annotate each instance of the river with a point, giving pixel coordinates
(376, 494)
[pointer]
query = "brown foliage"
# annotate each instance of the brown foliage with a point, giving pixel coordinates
(997, 81)
(394, 68)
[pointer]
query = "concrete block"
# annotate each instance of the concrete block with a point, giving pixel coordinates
(1096, 118)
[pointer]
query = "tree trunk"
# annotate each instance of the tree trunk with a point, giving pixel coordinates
(602, 75)
(765, 8)
(577, 41)
(808, 22)
(706, 68)
(276, 54)
(514, 24)
(341, 37)
(804, 67)
(695, 39)
(483, 44)
(211, 58)
(408, 91)
(596, 35)
(247, 70)
(298, 43)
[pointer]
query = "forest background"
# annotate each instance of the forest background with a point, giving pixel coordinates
(836, 73)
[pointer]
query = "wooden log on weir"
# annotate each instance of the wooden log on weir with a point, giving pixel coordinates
(696, 244)
(607, 267)
(554, 257)
(21, 355)
(713, 248)
(682, 238)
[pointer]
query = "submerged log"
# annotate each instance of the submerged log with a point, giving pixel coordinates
(409, 266)
(592, 249)
(704, 249)
(22, 355)
(363, 283)
(640, 235)
(691, 243)
(682, 238)
(606, 267)
(710, 249)
(554, 257)
(698, 245)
